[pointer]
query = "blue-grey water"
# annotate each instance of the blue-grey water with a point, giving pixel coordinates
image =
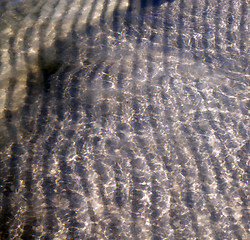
(124, 119)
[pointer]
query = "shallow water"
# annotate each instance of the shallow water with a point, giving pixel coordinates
(122, 120)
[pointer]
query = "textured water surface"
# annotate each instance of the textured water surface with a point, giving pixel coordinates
(124, 119)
